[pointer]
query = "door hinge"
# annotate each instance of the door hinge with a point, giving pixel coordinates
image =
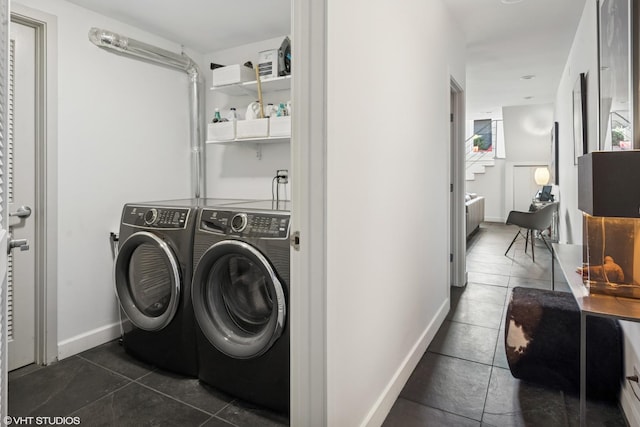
(295, 240)
(451, 117)
(451, 188)
(450, 257)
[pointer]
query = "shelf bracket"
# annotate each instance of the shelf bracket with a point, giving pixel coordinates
(259, 151)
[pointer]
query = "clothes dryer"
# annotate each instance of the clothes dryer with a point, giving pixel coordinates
(153, 271)
(240, 294)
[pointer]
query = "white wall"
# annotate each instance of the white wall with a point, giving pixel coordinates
(491, 186)
(583, 59)
(387, 196)
(122, 136)
(235, 171)
(527, 132)
(527, 139)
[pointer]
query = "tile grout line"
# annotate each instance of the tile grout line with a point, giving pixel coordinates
(136, 381)
(148, 387)
(490, 365)
(111, 394)
(438, 409)
(486, 394)
(76, 356)
(213, 417)
(459, 358)
(495, 346)
(472, 324)
(222, 409)
(111, 370)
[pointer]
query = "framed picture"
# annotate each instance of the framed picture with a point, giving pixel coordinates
(554, 165)
(614, 57)
(580, 143)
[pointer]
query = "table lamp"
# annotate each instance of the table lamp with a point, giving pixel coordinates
(541, 176)
(609, 197)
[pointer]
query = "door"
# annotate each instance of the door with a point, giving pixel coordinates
(21, 326)
(452, 179)
(4, 124)
(238, 300)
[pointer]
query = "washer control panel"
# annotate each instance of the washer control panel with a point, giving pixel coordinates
(247, 224)
(155, 217)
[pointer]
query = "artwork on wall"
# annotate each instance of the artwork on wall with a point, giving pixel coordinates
(553, 166)
(616, 103)
(580, 117)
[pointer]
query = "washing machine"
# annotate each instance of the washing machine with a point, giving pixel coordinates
(153, 271)
(240, 294)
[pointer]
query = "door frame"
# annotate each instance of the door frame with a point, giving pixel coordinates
(46, 183)
(457, 161)
(308, 288)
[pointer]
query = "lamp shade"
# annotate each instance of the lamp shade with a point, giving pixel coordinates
(541, 176)
(608, 183)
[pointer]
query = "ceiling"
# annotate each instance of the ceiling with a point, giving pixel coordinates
(203, 25)
(509, 39)
(506, 39)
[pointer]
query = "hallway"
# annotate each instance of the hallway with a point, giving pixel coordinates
(463, 379)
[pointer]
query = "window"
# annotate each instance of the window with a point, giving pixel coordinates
(482, 136)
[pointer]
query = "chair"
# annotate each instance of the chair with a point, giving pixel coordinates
(537, 220)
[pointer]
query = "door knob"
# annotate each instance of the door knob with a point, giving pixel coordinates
(22, 212)
(23, 244)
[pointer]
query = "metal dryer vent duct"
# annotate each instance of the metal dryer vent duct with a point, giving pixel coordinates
(117, 43)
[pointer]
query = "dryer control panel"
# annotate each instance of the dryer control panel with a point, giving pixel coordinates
(155, 217)
(247, 224)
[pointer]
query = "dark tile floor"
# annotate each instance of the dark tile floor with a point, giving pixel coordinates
(463, 379)
(104, 386)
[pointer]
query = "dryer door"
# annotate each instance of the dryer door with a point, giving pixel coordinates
(238, 300)
(148, 280)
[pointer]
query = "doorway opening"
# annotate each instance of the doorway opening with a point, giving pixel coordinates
(457, 244)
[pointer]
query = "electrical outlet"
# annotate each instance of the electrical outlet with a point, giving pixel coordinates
(283, 176)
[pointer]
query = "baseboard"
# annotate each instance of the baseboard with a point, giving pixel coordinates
(88, 340)
(389, 395)
(494, 219)
(630, 406)
(628, 400)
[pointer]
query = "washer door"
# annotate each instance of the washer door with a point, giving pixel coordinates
(147, 277)
(238, 300)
